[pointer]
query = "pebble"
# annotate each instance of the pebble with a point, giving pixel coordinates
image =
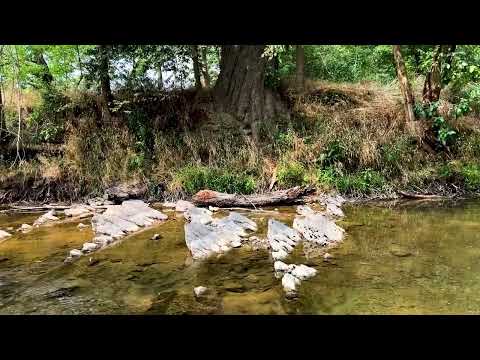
(82, 226)
(156, 237)
(200, 290)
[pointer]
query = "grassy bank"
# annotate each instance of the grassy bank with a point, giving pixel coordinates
(349, 138)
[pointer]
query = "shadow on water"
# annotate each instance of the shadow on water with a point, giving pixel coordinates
(411, 258)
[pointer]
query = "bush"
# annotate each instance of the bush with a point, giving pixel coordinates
(291, 173)
(471, 176)
(363, 182)
(196, 178)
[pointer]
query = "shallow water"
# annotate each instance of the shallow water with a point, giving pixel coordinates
(411, 258)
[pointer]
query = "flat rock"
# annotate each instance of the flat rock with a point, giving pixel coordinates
(82, 226)
(25, 228)
(182, 205)
(77, 210)
(318, 228)
(282, 239)
(119, 220)
(46, 218)
(205, 236)
(200, 215)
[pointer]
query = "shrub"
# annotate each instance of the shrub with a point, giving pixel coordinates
(363, 182)
(291, 173)
(471, 176)
(196, 178)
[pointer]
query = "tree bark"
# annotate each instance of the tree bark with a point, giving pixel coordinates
(104, 65)
(160, 77)
(205, 68)
(3, 125)
(300, 69)
(408, 99)
(196, 67)
(240, 89)
(433, 80)
(46, 76)
(214, 198)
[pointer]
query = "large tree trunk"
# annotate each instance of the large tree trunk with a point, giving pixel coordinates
(433, 80)
(205, 68)
(240, 89)
(214, 198)
(105, 90)
(300, 69)
(196, 67)
(408, 98)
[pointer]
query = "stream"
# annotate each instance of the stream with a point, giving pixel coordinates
(417, 257)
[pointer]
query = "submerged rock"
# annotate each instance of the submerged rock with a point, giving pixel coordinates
(318, 228)
(399, 251)
(4, 235)
(292, 275)
(75, 253)
(46, 218)
(25, 228)
(89, 247)
(282, 239)
(82, 226)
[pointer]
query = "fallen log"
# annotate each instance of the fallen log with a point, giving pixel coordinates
(419, 196)
(222, 200)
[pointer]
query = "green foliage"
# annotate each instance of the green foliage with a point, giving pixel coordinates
(364, 182)
(291, 173)
(335, 152)
(471, 176)
(196, 178)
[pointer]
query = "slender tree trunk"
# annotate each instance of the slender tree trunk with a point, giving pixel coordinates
(300, 69)
(205, 68)
(105, 90)
(432, 86)
(3, 125)
(196, 67)
(46, 75)
(160, 77)
(240, 89)
(408, 98)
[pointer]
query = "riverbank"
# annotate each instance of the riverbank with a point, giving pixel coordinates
(348, 138)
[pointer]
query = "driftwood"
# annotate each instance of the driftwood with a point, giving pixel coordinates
(214, 198)
(419, 196)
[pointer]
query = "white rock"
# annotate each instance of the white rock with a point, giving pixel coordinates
(25, 228)
(290, 283)
(103, 240)
(4, 235)
(169, 205)
(304, 210)
(45, 218)
(82, 226)
(303, 272)
(75, 253)
(200, 290)
(334, 210)
(280, 266)
(200, 215)
(319, 229)
(327, 256)
(77, 210)
(213, 208)
(279, 255)
(182, 205)
(89, 247)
